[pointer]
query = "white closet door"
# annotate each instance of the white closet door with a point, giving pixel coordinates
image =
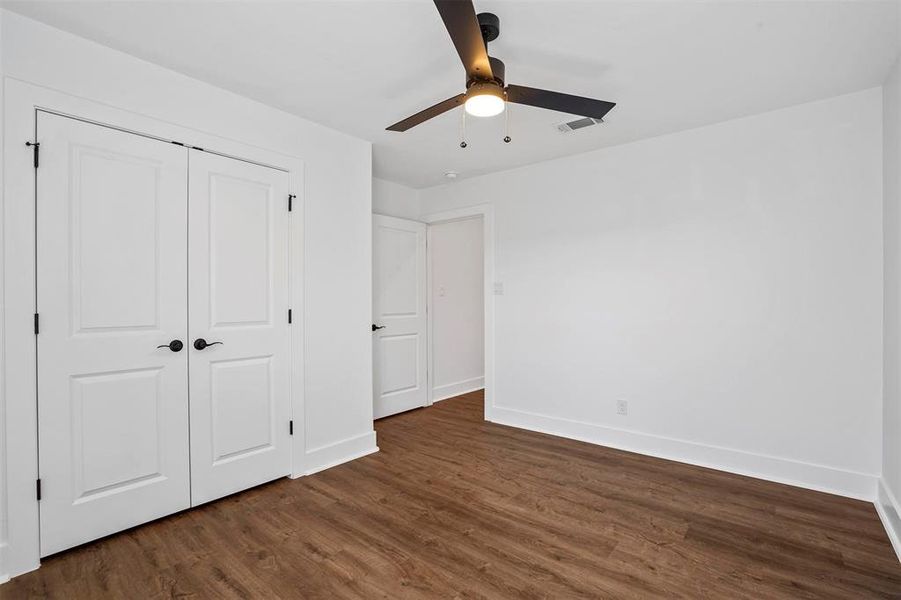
(238, 298)
(111, 287)
(399, 305)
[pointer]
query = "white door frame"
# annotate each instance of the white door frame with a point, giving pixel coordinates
(19, 525)
(486, 211)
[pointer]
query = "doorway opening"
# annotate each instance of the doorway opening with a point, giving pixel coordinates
(456, 311)
(431, 309)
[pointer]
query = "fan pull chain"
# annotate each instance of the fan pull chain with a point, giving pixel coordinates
(507, 137)
(463, 129)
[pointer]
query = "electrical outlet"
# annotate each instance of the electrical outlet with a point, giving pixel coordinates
(498, 288)
(622, 407)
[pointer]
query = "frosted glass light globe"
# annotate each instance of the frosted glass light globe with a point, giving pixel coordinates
(484, 105)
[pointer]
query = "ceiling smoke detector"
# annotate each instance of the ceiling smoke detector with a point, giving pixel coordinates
(578, 124)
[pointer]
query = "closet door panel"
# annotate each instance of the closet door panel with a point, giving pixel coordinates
(112, 287)
(238, 293)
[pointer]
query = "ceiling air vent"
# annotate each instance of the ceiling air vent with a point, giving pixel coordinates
(578, 124)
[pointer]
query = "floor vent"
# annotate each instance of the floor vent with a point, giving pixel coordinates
(578, 124)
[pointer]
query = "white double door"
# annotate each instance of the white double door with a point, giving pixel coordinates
(144, 248)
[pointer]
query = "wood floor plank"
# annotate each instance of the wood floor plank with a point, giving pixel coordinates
(454, 507)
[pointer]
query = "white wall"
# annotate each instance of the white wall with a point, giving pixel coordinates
(726, 281)
(337, 209)
(890, 488)
(4, 572)
(394, 200)
(456, 307)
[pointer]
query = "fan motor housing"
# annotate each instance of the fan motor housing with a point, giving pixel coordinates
(479, 88)
(497, 69)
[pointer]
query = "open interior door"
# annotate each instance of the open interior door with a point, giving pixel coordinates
(399, 315)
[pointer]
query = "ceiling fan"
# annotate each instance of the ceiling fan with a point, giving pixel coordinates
(486, 93)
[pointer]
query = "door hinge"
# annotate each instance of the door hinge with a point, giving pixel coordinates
(291, 427)
(291, 198)
(38, 489)
(37, 323)
(36, 146)
(289, 316)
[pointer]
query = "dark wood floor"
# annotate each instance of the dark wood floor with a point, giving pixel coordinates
(453, 507)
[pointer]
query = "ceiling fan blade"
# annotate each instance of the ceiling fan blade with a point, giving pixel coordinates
(460, 20)
(430, 112)
(575, 105)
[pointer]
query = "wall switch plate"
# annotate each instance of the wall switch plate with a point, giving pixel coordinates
(622, 407)
(498, 288)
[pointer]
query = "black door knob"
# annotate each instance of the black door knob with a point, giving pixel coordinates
(377, 327)
(201, 343)
(174, 345)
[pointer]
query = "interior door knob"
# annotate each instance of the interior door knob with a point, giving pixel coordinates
(201, 343)
(377, 327)
(174, 345)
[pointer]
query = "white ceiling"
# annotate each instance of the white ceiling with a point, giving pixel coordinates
(360, 66)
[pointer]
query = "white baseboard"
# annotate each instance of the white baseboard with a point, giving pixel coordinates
(332, 455)
(852, 484)
(890, 514)
(449, 390)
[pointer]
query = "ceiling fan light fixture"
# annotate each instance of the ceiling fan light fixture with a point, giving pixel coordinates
(487, 92)
(485, 100)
